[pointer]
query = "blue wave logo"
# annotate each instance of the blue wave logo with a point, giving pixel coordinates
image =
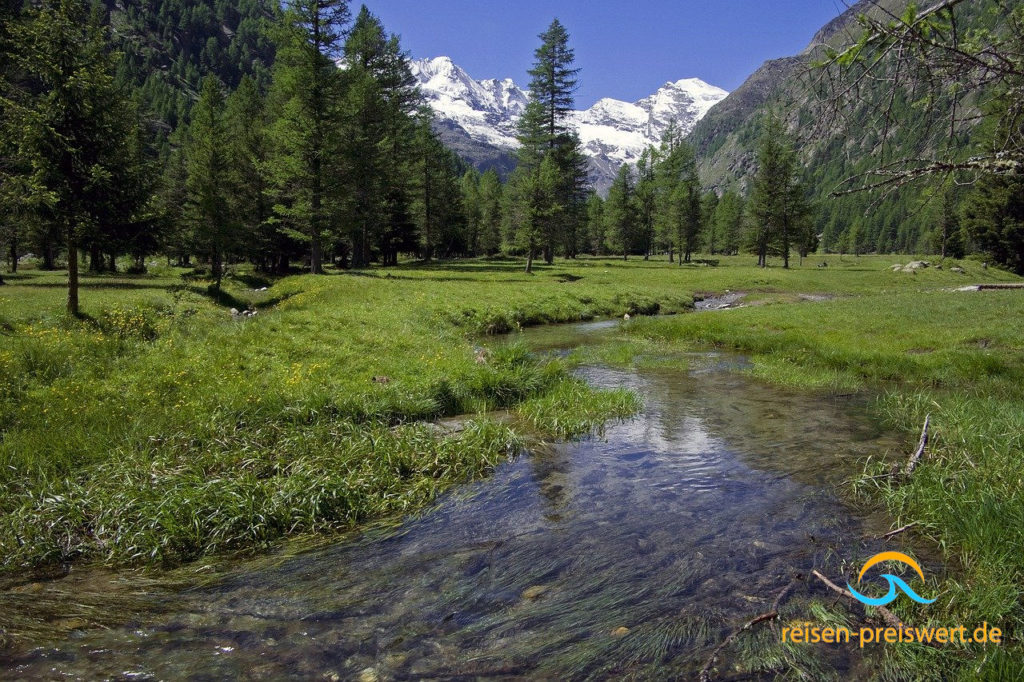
(895, 582)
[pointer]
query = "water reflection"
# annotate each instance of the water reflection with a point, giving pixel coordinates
(625, 556)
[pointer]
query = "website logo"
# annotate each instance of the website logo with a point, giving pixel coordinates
(894, 580)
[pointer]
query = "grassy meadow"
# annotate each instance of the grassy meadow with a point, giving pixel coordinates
(161, 428)
(956, 356)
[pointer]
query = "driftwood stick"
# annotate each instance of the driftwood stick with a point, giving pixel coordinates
(916, 457)
(888, 616)
(785, 592)
(705, 672)
(892, 533)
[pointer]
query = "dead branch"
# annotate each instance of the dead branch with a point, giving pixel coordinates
(888, 616)
(916, 457)
(705, 672)
(785, 591)
(893, 533)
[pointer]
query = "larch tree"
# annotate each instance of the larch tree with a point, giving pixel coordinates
(69, 127)
(209, 188)
(490, 196)
(620, 212)
(729, 222)
(306, 92)
(778, 208)
(595, 224)
(544, 132)
(677, 195)
(646, 198)
(378, 139)
(472, 209)
(248, 152)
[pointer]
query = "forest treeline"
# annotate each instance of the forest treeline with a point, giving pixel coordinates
(215, 133)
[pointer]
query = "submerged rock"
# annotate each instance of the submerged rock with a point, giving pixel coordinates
(534, 591)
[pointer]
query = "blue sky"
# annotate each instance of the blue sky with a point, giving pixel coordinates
(625, 50)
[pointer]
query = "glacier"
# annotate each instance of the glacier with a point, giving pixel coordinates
(478, 118)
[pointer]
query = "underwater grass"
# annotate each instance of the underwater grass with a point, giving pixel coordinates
(958, 356)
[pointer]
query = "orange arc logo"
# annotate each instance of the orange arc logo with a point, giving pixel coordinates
(890, 556)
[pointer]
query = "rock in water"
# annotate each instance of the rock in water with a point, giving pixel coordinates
(534, 591)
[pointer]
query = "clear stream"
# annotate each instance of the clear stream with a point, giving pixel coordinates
(631, 555)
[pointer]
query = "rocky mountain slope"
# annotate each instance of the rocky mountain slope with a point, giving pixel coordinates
(478, 118)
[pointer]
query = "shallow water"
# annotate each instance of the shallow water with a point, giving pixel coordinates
(632, 555)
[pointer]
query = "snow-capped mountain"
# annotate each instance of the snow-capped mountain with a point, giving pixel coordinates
(478, 118)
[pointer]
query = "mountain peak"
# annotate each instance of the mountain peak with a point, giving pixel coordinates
(478, 117)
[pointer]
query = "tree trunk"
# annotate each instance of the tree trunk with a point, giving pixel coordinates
(95, 259)
(217, 269)
(529, 260)
(72, 278)
(315, 255)
(671, 256)
(14, 256)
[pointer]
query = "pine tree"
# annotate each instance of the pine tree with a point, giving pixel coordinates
(993, 214)
(69, 127)
(209, 188)
(491, 200)
(248, 153)
(595, 224)
(472, 210)
(306, 94)
(778, 208)
(381, 99)
(544, 132)
(729, 222)
(620, 212)
(646, 196)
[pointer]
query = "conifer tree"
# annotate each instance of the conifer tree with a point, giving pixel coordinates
(708, 206)
(778, 208)
(595, 225)
(69, 126)
(209, 187)
(620, 212)
(728, 221)
(993, 214)
(248, 153)
(472, 209)
(306, 93)
(553, 81)
(379, 130)
(543, 132)
(646, 197)
(491, 200)
(677, 195)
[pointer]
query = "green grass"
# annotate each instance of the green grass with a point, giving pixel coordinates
(160, 429)
(958, 356)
